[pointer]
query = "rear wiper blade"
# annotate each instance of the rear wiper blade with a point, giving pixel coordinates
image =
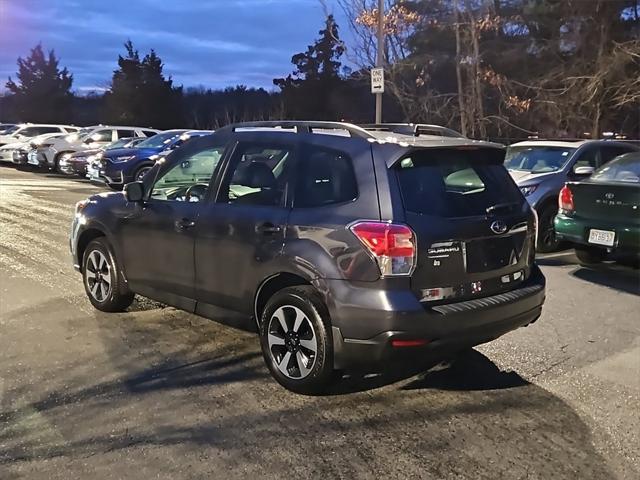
(501, 206)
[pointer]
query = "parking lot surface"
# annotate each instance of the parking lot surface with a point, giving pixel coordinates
(158, 393)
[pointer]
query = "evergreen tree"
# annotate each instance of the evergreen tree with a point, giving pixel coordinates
(43, 91)
(141, 95)
(313, 90)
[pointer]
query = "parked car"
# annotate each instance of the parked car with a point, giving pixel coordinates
(542, 167)
(20, 150)
(50, 154)
(120, 166)
(76, 163)
(601, 215)
(344, 250)
(23, 133)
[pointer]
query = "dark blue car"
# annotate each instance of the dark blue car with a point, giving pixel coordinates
(123, 165)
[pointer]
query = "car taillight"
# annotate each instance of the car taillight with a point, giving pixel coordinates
(565, 200)
(393, 246)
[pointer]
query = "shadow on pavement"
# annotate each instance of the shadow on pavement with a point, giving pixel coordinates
(620, 278)
(174, 391)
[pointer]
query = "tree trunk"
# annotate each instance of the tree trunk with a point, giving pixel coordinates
(461, 102)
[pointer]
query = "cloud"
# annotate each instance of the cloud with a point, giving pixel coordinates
(216, 43)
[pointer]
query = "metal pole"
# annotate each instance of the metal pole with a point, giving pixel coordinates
(380, 56)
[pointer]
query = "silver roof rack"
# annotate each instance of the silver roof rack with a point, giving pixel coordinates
(413, 129)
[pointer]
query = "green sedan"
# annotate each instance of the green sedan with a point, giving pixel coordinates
(601, 215)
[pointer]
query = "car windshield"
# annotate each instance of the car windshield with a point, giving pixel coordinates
(10, 130)
(623, 169)
(537, 159)
(159, 140)
(123, 142)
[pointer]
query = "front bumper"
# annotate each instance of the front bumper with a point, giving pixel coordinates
(366, 323)
(576, 230)
(20, 157)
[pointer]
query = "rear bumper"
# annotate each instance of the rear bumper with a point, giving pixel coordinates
(576, 231)
(445, 328)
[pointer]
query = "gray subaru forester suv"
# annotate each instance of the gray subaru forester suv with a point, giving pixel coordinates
(342, 246)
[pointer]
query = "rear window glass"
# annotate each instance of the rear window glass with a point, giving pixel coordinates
(456, 183)
(624, 169)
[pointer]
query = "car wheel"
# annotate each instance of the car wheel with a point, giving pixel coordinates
(141, 172)
(547, 238)
(590, 256)
(295, 336)
(102, 278)
(56, 162)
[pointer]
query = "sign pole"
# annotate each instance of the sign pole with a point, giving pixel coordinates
(380, 61)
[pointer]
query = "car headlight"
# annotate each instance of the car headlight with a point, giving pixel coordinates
(125, 158)
(528, 190)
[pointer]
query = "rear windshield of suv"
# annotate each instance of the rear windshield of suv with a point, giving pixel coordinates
(456, 183)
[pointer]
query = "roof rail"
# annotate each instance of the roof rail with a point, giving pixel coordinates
(414, 129)
(301, 126)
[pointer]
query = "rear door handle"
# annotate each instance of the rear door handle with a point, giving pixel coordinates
(184, 224)
(268, 228)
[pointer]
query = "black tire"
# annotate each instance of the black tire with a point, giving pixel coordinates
(547, 239)
(99, 257)
(590, 256)
(141, 172)
(56, 162)
(319, 364)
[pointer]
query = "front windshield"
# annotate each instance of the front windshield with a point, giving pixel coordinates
(160, 140)
(623, 169)
(123, 142)
(11, 130)
(537, 159)
(79, 135)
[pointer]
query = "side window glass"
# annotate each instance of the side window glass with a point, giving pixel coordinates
(325, 177)
(146, 133)
(258, 176)
(126, 133)
(101, 136)
(188, 180)
(589, 158)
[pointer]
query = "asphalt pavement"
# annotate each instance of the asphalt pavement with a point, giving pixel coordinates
(158, 393)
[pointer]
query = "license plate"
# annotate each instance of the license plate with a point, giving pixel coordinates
(602, 237)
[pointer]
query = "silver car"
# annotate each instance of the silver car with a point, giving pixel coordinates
(541, 168)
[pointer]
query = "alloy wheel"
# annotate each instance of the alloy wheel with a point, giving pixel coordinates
(98, 276)
(292, 342)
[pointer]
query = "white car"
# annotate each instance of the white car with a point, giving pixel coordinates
(18, 152)
(50, 152)
(8, 151)
(24, 131)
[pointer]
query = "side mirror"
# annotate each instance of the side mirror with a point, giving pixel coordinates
(134, 191)
(583, 171)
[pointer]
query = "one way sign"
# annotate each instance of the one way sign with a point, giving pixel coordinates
(377, 80)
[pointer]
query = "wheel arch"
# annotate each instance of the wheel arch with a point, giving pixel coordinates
(84, 239)
(273, 284)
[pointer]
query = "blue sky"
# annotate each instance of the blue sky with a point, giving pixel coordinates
(215, 43)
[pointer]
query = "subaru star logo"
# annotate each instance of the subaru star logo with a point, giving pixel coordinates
(498, 227)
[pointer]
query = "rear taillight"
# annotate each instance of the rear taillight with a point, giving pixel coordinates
(393, 246)
(565, 200)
